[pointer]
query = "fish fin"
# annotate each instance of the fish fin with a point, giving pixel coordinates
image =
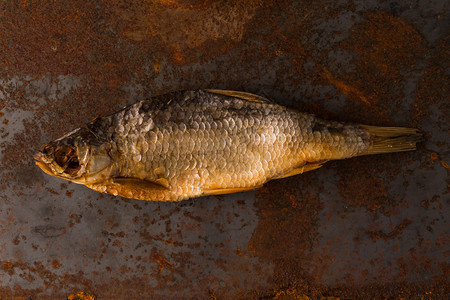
(134, 188)
(221, 191)
(391, 139)
(240, 95)
(301, 170)
(136, 183)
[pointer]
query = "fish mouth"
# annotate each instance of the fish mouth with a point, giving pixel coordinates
(38, 157)
(40, 162)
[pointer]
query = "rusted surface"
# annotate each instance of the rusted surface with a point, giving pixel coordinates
(369, 227)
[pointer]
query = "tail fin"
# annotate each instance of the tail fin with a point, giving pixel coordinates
(391, 139)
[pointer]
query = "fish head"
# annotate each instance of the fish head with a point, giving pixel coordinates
(65, 157)
(78, 156)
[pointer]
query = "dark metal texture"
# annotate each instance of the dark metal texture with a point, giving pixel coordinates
(369, 227)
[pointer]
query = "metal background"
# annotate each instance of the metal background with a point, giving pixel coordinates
(369, 227)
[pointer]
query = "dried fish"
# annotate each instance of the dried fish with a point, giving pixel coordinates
(207, 142)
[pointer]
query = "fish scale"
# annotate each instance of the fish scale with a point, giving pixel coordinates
(216, 141)
(207, 142)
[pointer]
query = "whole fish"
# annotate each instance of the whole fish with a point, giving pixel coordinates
(207, 142)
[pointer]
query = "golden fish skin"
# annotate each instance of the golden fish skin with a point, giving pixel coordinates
(207, 142)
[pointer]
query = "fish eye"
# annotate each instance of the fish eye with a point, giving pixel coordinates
(62, 155)
(66, 157)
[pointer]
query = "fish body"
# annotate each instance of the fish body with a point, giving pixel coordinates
(193, 143)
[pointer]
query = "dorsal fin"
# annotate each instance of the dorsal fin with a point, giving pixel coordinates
(240, 95)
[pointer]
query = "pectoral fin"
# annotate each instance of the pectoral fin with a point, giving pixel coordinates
(241, 95)
(221, 191)
(134, 188)
(300, 170)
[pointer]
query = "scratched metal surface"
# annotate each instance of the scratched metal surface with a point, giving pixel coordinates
(369, 227)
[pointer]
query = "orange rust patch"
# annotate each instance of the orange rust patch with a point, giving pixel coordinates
(293, 293)
(345, 88)
(63, 30)
(81, 296)
(56, 264)
(384, 49)
(178, 57)
(171, 3)
(184, 25)
(6, 265)
(162, 262)
(386, 44)
(435, 156)
(77, 218)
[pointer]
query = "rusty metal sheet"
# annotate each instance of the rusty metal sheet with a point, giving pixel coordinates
(369, 227)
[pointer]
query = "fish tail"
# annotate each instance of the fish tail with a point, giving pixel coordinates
(391, 139)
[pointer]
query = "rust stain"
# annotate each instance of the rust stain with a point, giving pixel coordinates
(392, 234)
(291, 294)
(45, 30)
(291, 46)
(350, 91)
(6, 266)
(184, 25)
(385, 49)
(386, 44)
(56, 264)
(108, 44)
(178, 57)
(434, 86)
(81, 296)
(162, 262)
(434, 156)
(286, 231)
(360, 186)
